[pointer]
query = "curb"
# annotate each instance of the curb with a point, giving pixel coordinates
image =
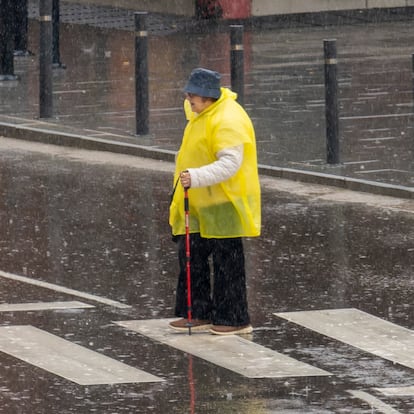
(49, 136)
(340, 181)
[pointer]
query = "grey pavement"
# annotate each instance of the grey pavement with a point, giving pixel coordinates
(94, 96)
(88, 272)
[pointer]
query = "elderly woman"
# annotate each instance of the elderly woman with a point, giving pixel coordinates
(217, 162)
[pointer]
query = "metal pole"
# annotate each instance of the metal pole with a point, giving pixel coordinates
(45, 60)
(331, 102)
(412, 65)
(6, 41)
(237, 61)
(20, 28)
(56, 35)
(141, 74)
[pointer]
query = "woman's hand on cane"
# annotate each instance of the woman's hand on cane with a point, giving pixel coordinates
(185, 179)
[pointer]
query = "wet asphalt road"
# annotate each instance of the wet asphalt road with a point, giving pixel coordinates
(97, 223)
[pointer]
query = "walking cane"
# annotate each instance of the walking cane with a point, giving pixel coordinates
(188, 259)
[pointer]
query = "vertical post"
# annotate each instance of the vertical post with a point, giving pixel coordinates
(331, 102)
(20, 27)
(56, 63)
(6, 41)
(141, 73)
(45, 60)
(237, 61)
(412, 65)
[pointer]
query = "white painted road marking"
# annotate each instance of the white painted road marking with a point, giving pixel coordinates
(376, 116)
(397, 391)
(232, 352)
(66, 359)
(38, 306)
(62, 289)
(362, 330)
(374, 402)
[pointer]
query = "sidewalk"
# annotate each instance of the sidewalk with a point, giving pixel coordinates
(94, 95)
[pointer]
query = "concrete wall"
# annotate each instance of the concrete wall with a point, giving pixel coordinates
(272, 7)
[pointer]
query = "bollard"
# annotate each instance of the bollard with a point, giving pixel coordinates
(412, 64)
(7, 41)
(20, 28)
(45, 60)
(237, 61)
(331, 102)
(56, 63)
(141, 73)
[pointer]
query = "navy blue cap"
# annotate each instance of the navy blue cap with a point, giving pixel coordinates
(204, 82)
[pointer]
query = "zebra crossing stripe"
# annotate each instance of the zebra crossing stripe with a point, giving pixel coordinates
(232, 352)
(38, 306)
(361, 330)
(374, 402)
(66, 359)
(63, 289)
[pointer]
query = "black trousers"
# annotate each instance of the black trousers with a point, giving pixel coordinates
(223, 302)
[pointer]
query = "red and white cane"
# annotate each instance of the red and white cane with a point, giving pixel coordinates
(188, 259)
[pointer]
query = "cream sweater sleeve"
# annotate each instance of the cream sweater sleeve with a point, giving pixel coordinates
(228, 163)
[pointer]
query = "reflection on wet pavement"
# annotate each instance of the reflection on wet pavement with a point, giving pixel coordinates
(99, 225)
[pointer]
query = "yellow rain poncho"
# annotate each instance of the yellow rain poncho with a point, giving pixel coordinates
(230, 208)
